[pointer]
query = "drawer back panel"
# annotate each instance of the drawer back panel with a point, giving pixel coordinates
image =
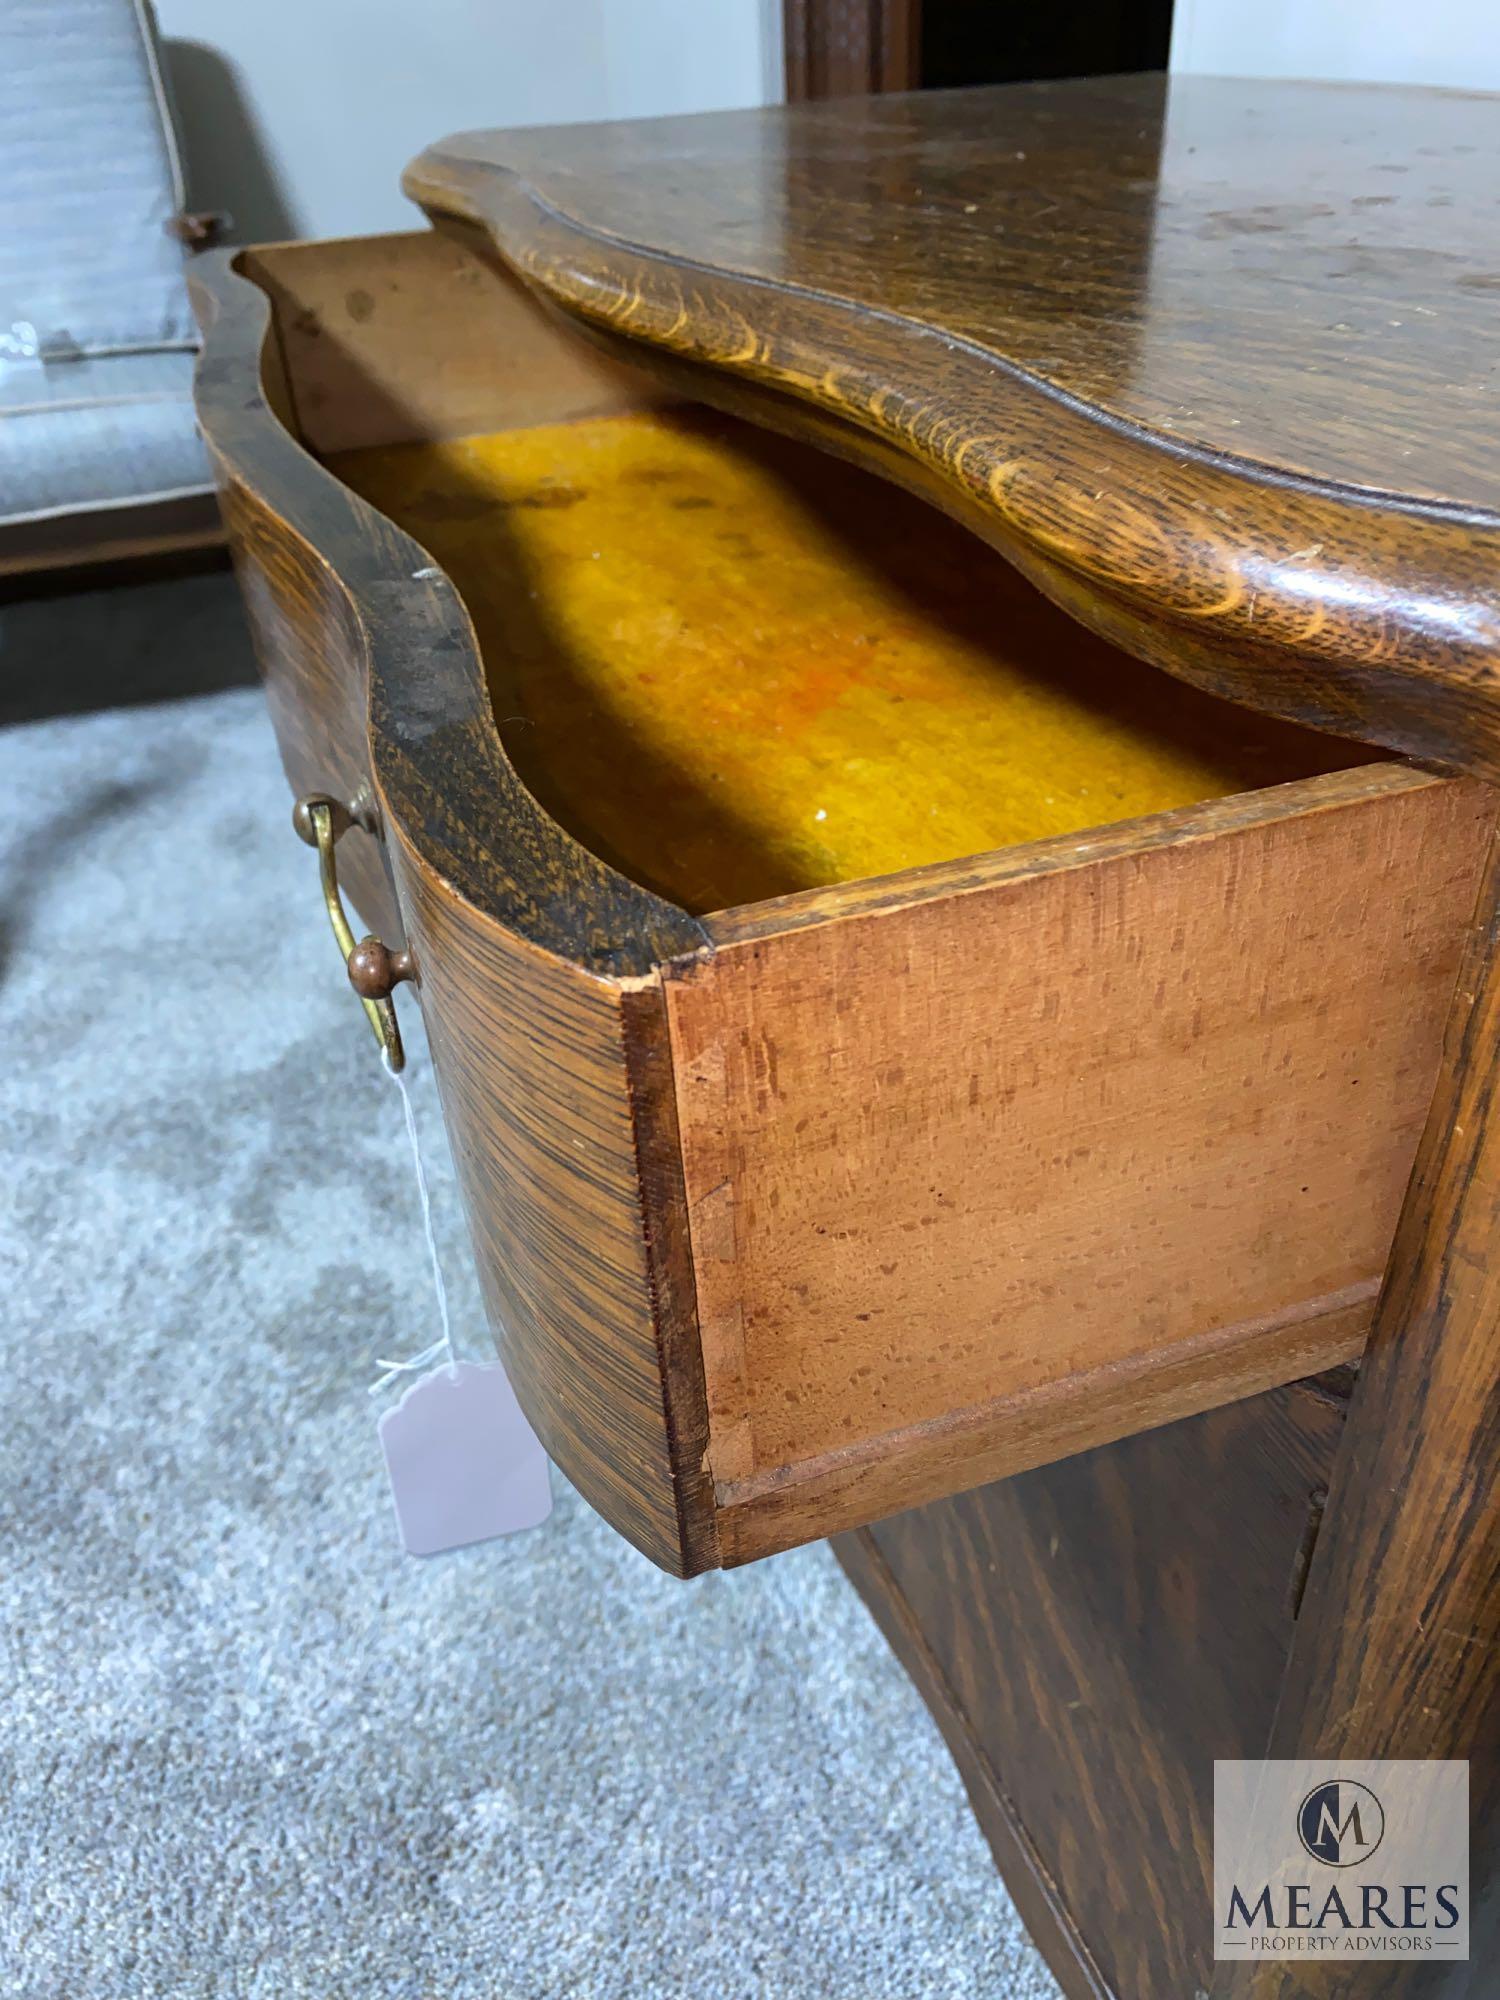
(393, 338)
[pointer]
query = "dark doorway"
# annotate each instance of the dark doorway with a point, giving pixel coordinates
(961, 43)
(845, 48)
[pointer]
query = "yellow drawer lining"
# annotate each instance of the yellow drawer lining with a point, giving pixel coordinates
(735, 668)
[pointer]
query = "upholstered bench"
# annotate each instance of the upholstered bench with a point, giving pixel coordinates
(99, 452)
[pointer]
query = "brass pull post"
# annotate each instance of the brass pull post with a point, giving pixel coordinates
(374, 970)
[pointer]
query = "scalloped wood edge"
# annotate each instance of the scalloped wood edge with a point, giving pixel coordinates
(1365, 614)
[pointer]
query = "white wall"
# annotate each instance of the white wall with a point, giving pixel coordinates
(298, 115)
(1454, 42)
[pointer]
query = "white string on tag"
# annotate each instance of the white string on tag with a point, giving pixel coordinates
(463, 1463)
(443, 1345)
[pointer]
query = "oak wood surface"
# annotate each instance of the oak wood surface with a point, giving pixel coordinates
(426, 712)
(1088, 1651)
(916, 996)
(1210, 360)
(378, 697)
(1396, 1652)
(1210, 363)
(531, 1061)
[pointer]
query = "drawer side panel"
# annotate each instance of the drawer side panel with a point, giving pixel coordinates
(951, 1161)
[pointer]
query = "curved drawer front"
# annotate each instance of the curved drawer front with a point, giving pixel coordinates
(928, 1165)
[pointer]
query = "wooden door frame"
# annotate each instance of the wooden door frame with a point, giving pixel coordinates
(851, 48)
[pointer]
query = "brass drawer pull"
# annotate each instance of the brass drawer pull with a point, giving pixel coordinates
(374, 970)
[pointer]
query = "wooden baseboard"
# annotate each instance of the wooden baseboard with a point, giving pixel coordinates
(111, 535)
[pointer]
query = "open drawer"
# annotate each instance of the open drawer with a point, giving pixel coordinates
(889, 1037)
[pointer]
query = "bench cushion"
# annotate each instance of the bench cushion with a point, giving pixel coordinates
(98, 433)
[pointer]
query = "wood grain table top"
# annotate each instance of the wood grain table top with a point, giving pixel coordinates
(1214, 361)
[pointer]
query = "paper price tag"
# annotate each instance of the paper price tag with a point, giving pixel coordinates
(463, 1462)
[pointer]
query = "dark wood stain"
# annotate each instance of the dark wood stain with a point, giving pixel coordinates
(378, 698)
(1159, 347)
(1399, 1632)
(1089, 1645)
(1214, 371)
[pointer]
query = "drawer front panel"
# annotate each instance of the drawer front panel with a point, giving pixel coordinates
(541, 1070)
(312, 659)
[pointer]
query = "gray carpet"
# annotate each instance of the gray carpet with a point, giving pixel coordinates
(246, 1746)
